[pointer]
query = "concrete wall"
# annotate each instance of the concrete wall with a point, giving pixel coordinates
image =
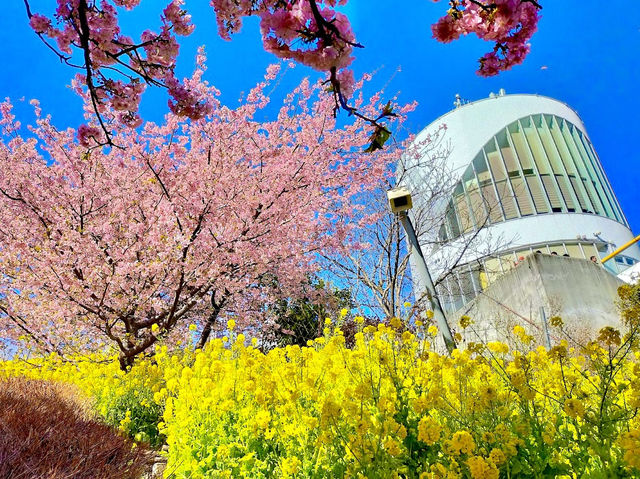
(582, 293)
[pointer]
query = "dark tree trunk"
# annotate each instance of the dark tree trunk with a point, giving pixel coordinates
(211, 320)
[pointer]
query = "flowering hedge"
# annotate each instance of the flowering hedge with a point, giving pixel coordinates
(388, 407)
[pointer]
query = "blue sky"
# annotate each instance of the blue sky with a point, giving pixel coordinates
(591, 65)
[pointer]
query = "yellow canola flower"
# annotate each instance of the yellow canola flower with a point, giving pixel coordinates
(482, 469)
(290, 466)
(429, 430)
(462, 443)
(573, 408)
(497, 457)
(395, 322)
(630, 442)
(498, 347)
(392, 447)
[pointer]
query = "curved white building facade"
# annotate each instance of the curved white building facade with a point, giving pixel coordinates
(526, 179)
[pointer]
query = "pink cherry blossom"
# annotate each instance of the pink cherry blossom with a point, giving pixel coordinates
(40, 23)
(510, 24)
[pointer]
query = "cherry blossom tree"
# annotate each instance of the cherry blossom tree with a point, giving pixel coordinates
(115, 68)
(126, 245)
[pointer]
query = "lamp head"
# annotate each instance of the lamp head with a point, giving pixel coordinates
(399, 199)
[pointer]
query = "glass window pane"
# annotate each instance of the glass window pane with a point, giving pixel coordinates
(579, 194)
(522, 196)
(508, 155)
(535, 146)
(466, 285)
(506, 198)
(592, 173)
(590, 250)
(452, 220)
(585, 179)
(492, 269)
(548, 145)
(491, 203)
(574, 250)
(558, 249)
(477, 208)
(593, 196)
(463, 213)
(561, 145)
(469, 179)
(537, 192)
(495, 162)
(552, 194)
(565, 190)
(442, 233)
(602, 178)
(480, 167)
(520, 145)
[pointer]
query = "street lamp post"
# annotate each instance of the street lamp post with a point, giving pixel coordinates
(400, 203)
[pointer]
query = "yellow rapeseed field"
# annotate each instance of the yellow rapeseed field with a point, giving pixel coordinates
(388, 407)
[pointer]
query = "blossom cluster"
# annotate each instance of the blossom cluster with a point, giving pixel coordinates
(510, 24)
(388, 407)
(94, 28)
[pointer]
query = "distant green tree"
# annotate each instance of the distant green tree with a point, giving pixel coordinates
(296, 321)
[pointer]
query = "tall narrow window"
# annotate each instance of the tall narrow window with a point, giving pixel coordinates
(603, 179)
(507, 200)
(597, 186)
(552, 194)
(583, 172)
(537, 192)
(491, 203)
(522, 196)
(565, 190)
(548, 145)
(508, 155)
(579, 194)
(519, 142)
(464, 215)
(480, 167)
(452, 221)
(495, 162)
(536, 147)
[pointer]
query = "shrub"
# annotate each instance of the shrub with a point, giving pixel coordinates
(123, 400)
(46, 432)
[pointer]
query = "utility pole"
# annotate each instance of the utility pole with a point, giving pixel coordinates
(543, 317)
(400, 203)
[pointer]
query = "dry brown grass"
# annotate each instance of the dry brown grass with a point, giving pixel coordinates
(46, 431)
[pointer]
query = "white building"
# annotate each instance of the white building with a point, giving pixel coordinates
(528, 179)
